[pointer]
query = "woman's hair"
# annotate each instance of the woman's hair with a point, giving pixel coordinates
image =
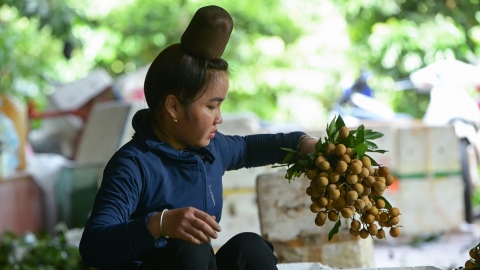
(175, 72)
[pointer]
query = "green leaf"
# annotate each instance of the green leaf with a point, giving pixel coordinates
(289, 149)
(288, 157)
(371, 145)
(360, 134)
(377, 151)
(339, 123)
(360, 149)
(372, 135)
(374, 163)
(334, 230)
(331, 128)
(387, 204)
(319, 146)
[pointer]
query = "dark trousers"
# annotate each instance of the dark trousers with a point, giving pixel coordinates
(244, 251)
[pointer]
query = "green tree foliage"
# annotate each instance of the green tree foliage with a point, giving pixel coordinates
(395, 37)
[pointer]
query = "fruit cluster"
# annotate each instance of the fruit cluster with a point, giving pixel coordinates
(345, 182)
(474, 261)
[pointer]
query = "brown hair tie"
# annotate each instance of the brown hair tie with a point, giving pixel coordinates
(208, 33)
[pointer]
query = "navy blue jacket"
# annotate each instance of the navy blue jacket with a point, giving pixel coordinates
(147, 175)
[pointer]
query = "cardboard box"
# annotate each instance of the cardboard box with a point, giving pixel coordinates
(428, 205)
(286, 221)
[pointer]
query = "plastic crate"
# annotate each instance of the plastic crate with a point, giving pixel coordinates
(76, 188)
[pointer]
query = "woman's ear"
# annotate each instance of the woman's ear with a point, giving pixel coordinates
(171, 105)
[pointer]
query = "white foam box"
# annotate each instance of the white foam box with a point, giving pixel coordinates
(423, 150)
(286, 221)
(428, 205)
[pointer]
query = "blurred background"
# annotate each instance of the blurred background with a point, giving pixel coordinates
(71, 76)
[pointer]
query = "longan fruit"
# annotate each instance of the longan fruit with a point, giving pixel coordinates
(353, 232)
(380, 203)
(346, 158)
(384, 217)
(389, 180)
(312, 174)
(369, 218)
(352, 179)
(320, 189)
(380, 234)
(318, 160)
(372, 229)
(340, 202)
(315, 193)
(341, 166)
(319, 222)
(352, 195)
(309, 191)
(379, 186)
(393, 221)
(469, 265)
(367, 206)
(331, 187)
(330, 148)
(394, 231)
(333, 215)
(366, 190)
(313, 199)
(349, 151)
(334, 194)
(474, 254)
(340, 149)
(346, 212)
(364, 173)
(315, 208)
(366, 161)
(355, 225)
(364, 234)
(383, 171)
(358, 188)
(382, 179)
(359, 204)
(321, 181)
(344, 132)
(322, 215)
(393, 212)
(369, 181)
(322, 202)
(334, 177)
(324, 165)
(355, 168)
(371, 170)
(330, 205)
(323, 174)
(373, 210)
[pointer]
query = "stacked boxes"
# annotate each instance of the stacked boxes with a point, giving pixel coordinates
(286, 221)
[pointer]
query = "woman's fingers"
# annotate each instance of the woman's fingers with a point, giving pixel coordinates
(193, 225)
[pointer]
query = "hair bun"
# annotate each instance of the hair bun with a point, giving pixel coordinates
(208, 33)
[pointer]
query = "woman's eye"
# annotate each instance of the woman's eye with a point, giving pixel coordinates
(211, 107)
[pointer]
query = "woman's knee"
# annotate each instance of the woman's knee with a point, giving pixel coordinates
(250, 239)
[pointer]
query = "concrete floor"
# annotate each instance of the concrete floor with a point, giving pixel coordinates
(448, 251)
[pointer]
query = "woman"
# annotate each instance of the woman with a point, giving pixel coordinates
(161, 195)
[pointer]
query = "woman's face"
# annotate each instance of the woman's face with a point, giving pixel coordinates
(198, 126)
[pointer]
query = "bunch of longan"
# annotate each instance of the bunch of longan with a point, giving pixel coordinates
(344, 185)
(474, 261)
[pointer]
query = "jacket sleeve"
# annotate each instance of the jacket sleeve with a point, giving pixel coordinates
(110, 237)
(257, 150)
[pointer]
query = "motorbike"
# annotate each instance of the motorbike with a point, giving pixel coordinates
(447, 82)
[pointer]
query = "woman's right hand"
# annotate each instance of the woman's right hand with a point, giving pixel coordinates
(190, 224)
